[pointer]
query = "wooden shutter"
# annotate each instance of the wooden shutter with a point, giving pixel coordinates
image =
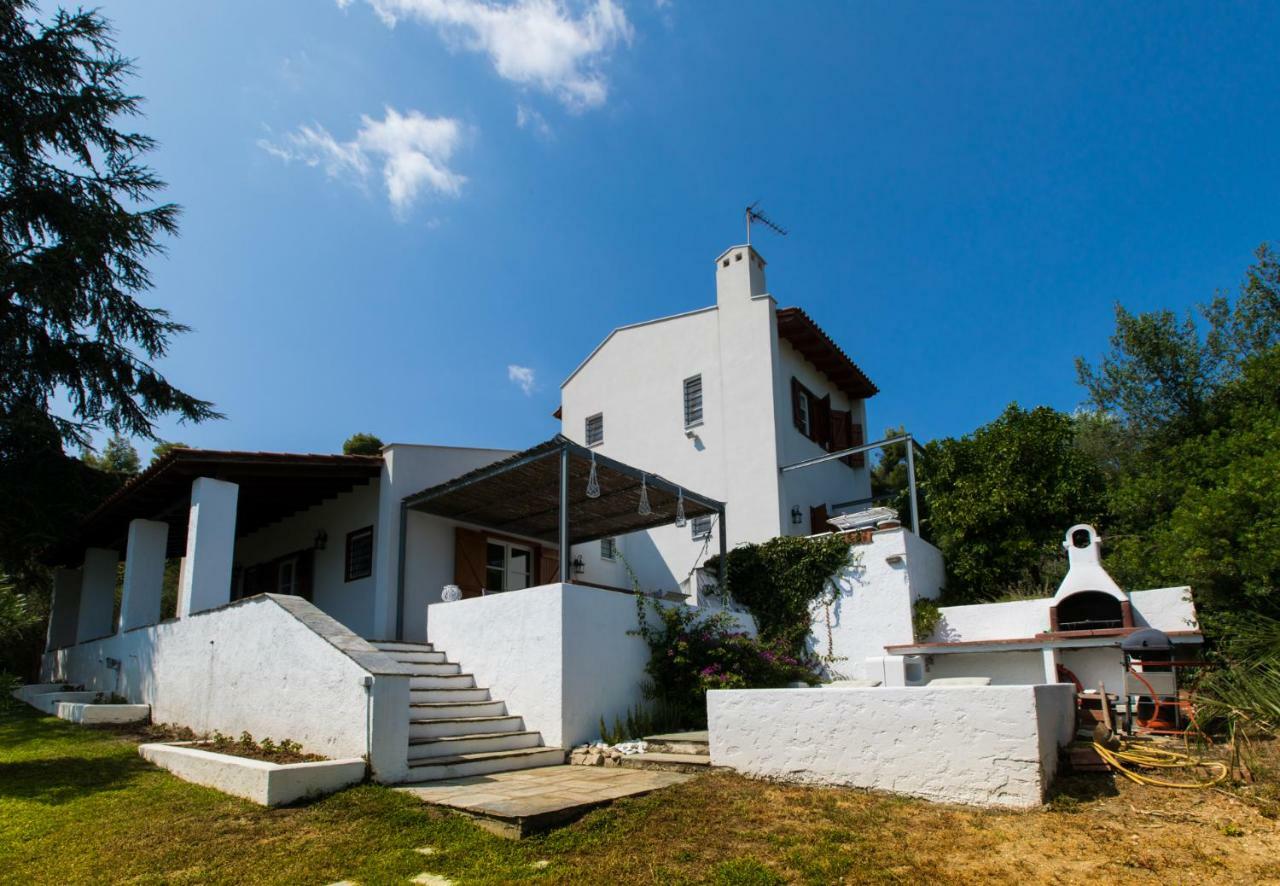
(818, 520)
(468, 561)
(547, 566)
(304, 574)
(821, 421)
(858, 460)
(839, 430)
(797, 391)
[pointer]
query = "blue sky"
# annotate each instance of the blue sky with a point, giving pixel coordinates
(388, 203)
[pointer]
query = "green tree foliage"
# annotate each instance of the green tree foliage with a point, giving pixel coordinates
(77, 223)
(362, 444)
(164, 447)
(889, 486)
(1001, 497)
(118, 457)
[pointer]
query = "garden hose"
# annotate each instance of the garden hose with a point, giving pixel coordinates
(1145, 756)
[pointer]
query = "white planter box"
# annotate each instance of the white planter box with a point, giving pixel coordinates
(49, 701)
(267, 784)
(89, 714)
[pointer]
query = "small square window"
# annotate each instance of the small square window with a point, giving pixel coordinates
(701, 526)
(595, 429)
(359, 559)
(608, 549)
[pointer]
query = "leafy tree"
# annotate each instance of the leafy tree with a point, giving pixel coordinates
(889, 484)
(362, 444)
(1001, 497)
(77, 222)
(118, 457)
(164, 447)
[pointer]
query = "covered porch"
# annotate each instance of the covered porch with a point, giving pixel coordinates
(201, 528)
(511, 520)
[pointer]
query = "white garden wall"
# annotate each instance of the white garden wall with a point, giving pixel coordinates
(980, 745)
(559, 655)
(873, 607)
(273, 666)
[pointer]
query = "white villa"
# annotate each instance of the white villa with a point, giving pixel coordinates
(317, 594)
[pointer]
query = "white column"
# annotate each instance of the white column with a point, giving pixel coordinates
(1050, 665)
(64, 609)
(97, 594)
(211, 546)
(143, 573)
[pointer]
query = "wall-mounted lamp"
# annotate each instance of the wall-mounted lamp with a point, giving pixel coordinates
(896, 559)
(322, 539)
(579, 567)
(796, 517)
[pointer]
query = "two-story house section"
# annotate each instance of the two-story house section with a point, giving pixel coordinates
(721, 398)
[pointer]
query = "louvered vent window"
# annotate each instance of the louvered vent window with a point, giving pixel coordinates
(693, 401)
(595, 429)
(701, 526)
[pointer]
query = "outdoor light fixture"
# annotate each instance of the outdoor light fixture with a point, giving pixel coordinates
(579, 567)
(322, 539)
(796, 517)
(644, 510)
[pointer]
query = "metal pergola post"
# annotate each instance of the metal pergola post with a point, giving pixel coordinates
(911, 484)
(724, 550)
(564, 514)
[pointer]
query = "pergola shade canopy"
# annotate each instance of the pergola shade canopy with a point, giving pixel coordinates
(521, 495)
(272, 486)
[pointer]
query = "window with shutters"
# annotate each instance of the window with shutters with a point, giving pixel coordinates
(595, 429)
(359, 557)
(701, 526)
(608, 549)
(508, 567)
(693, 401)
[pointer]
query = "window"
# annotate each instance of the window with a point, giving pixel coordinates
(693, 401)
(507, 567)
(595, 429)
(286, 577)
(608, 549)
(701, 526)
(359, 560)
(802, 413)
(811, 414)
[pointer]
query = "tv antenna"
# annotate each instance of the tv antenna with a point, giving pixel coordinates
(756, 215)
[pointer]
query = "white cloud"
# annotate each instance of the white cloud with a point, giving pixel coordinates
(414, 151)
(522, 377)
(528, 118)
(536, 43)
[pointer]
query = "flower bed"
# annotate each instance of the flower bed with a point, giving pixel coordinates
(263, 782)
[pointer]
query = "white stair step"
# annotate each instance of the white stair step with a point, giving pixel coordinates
(440, 727)
(399, 646)
(452, 746)
(448, 710)
(462, 765)
(445, 681)
(417, 657)
(451, 695)
(441, 669)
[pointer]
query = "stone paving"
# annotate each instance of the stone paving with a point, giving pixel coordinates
(516, 804)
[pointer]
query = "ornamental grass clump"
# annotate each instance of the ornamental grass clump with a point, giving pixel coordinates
(691, 652)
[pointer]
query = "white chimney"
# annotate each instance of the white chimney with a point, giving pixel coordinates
(739, 275)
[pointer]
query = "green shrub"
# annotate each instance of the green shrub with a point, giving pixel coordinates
(691, 652)
(781, 580)
(925, 616)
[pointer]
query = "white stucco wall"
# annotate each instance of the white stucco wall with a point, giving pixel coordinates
(558, 655)
(254, 666)
(349, 602)
(873, 608)
(635, 379)
(408, 469)
(1018, 668)
(983, 745)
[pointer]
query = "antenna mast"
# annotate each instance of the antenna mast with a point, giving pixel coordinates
(756, 215)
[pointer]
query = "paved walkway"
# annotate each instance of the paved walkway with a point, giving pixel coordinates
(516, 804)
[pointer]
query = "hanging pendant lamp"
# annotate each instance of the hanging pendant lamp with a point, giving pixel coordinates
(680, 521)
(644, 510)
(593, 482)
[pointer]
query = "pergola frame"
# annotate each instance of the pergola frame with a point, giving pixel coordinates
(493, 498)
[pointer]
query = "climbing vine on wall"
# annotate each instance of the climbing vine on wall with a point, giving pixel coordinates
(781, 580)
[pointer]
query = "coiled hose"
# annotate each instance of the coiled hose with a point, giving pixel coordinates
(1144, 756)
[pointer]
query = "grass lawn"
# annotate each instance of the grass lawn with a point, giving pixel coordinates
(78, 805)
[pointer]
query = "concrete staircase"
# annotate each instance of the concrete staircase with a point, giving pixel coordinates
(458, 729)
